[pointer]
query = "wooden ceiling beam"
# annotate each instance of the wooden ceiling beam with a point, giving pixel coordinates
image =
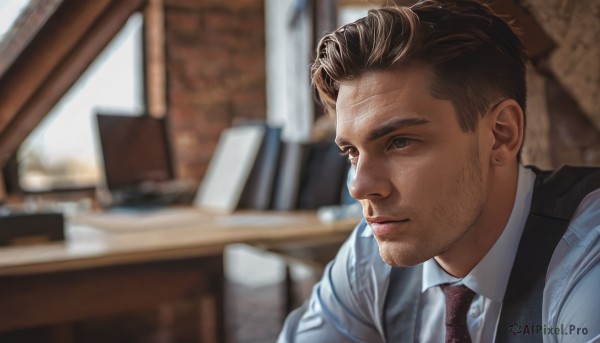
(25, 28)
(44, 54)
(53, 62)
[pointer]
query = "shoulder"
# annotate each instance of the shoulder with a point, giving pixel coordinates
(580, 244)
(587, 215)
(570, 296)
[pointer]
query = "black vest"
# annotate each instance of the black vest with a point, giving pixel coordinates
(555, 198)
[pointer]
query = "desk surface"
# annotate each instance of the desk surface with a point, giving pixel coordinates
(102, 239)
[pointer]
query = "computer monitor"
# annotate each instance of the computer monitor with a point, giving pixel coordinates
(135, 150)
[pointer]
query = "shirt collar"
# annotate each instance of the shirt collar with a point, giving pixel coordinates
(490, 276)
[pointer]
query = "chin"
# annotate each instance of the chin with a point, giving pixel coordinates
(401, 256)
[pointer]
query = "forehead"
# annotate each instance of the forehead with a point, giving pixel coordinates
(379, 96)
(381, 88)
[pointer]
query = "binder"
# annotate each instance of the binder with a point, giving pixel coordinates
(287, 186)
(324, 176)
(259, 190)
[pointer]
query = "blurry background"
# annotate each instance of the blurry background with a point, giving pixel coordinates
(204, 66)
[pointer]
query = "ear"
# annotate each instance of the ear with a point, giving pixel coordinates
(507, 121)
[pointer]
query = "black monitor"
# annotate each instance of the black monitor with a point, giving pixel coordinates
(135, 150)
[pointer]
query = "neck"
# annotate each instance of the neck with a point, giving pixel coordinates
(464, 254)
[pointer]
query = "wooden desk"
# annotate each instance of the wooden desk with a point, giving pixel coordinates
(115, 262)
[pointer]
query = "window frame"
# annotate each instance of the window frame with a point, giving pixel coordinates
(52, 60)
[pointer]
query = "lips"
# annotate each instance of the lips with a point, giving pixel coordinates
(385, 226)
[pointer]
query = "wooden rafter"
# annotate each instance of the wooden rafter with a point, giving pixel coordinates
(24, 30)
(53, 61)
(156, 83)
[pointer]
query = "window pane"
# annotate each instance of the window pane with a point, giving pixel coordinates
(10, 10)
(63, 150)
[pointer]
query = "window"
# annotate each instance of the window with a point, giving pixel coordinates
(63, 151)
(10, 10)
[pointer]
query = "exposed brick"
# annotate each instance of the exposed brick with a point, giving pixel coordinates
(210, 67)
(184, 21)
(226, 41)
(210, 129)
(251, 62)
(200, 97)
(190, 171)
(250, 111)
(180, 80)
(215, 4)
(214, 113)
(215, 73)
(256, 96)
(181, 52)
(219, 21)
(198, 153)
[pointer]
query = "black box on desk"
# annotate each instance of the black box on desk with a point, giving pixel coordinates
(29, 228)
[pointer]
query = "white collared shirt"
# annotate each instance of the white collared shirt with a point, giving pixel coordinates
(347, 304)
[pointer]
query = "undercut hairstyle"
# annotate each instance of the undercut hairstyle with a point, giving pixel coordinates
(476, 58)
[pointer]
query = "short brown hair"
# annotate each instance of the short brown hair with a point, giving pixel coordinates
(476, 57)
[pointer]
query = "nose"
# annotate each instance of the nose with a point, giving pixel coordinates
(370, 181)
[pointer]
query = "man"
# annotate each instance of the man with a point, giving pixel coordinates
(459, 241)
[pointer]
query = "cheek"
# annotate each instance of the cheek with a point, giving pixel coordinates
(407, 176)
(418, 184)
(438, 193)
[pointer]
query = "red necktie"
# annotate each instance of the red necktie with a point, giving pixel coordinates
(458, 301)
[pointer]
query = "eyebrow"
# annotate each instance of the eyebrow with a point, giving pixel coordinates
(389, 127)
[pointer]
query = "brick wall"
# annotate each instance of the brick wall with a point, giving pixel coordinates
(215, 61)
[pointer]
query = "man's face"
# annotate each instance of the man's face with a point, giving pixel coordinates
(418, 175)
